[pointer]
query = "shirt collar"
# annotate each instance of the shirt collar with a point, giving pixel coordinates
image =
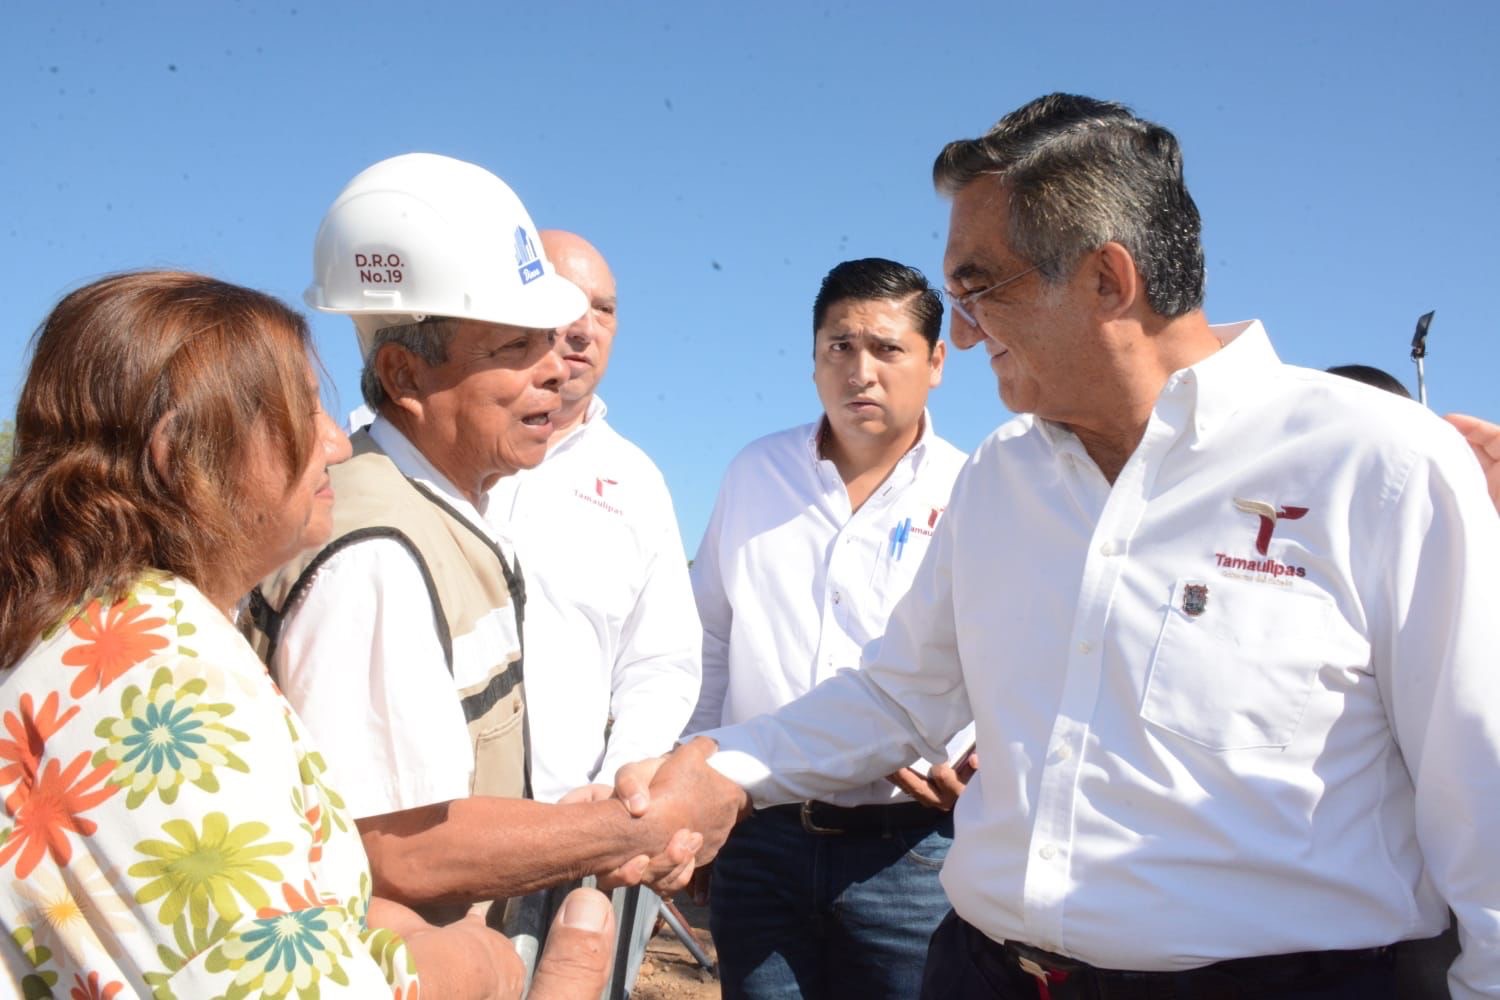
(595, 413)
(1221, 382)
(1218, 384)
(414, 465)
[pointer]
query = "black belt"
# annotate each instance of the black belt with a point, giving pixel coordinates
(1059, 978)
(880, 820)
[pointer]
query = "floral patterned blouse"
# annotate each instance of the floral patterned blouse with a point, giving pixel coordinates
(167, 828)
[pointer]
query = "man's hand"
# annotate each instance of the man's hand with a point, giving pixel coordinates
(672, 869)
(699, 887)
(1484, 438)
(664, 873)
(468, 961)
(941, 786)
(586, 793)
(686, 790)
(633, 784)
(575, 961)
(464, 960)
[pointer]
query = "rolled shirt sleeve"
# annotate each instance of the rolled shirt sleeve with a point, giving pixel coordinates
(360, 660)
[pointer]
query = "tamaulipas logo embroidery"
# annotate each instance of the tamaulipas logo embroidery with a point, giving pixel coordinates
(598, 498)
(1270, 516)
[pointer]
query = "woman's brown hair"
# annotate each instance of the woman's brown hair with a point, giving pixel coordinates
(132, 436)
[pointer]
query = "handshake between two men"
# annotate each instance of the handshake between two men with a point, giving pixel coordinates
(677, 792)
(681, 792)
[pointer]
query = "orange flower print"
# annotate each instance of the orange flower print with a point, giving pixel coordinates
(112, 645)
(52, 810)
(319, 833)
(91, 990)
(305, 899)
(28, 734)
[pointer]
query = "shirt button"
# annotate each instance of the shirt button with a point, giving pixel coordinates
(1107, 549)
(1064, 752)
(1048, 852)
(1083, 647)
(835, 597)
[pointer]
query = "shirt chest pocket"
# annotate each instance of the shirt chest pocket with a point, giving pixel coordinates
(1235, 663)
(896, 558)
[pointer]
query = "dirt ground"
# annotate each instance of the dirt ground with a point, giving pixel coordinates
(669, 971)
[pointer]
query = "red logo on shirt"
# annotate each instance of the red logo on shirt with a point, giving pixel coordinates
(932, 518)
(599, 485)
(1269, 515)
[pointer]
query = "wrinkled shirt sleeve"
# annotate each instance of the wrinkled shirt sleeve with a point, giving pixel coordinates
(717, 618)
(656, 673)
(1435, 634)
(360, 661)
(907, 701)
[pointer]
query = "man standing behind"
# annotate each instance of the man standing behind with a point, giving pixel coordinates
(612, 636)
(817, 532)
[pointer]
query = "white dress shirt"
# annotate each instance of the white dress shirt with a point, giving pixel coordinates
(792, 586)
(612, 635)
(1304, 755)
(359, 658)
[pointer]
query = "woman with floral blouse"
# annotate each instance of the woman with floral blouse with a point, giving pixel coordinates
(167, 829)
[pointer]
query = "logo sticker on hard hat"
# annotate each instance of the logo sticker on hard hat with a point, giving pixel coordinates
(528, 265)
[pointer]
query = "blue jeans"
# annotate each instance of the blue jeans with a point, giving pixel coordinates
(797, 914)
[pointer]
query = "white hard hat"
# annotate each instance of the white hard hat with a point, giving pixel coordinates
(424, 235)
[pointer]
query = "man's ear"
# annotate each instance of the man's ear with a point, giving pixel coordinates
(1118, 282)
(935, 359)
(397, 369)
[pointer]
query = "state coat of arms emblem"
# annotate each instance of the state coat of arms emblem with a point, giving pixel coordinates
(1194, 599)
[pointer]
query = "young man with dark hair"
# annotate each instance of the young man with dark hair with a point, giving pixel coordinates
(817, 532)
(1377, 378)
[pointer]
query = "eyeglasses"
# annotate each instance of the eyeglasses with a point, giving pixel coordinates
(963, 304)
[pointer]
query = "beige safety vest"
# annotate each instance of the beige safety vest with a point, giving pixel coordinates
(467, 577)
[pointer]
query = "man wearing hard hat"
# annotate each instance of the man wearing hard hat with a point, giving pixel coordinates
(400, 642)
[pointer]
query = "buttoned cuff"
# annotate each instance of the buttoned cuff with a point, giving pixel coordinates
(735, 761)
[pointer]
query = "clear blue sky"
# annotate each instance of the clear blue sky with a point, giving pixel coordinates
(1345, 158)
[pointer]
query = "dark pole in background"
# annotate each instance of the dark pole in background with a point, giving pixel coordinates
(1419, 353)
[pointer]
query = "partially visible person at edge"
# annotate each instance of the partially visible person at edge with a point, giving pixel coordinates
(455, 307)
(1225, 626)
(817, 532)
(171, 830)
(612, 636)
(1483, 436)
(1421, 963)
